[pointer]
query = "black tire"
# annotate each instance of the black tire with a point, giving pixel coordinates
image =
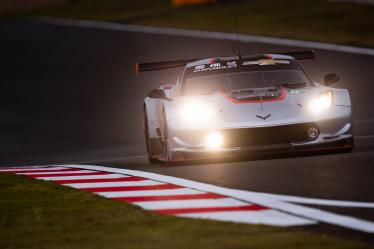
(350, 142)
(147, 139)
(169, 156)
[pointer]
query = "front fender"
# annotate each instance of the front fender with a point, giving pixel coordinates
(153, 109)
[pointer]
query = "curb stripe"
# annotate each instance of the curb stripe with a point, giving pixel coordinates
(276, 208)
(211, 209)
(299, 215)
(50, 172)
(179, 191)
(92, 173)
(199, 203)
(122, 178)
(81, 177)
(169, 197)
(132, 188)
(113, 184)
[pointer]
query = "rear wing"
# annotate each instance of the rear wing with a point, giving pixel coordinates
(160, 65)
(151, 66)
(301, 55)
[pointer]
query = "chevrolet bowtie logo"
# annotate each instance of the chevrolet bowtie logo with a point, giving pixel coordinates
(263, 117)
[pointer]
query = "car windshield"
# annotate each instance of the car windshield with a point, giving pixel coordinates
(244, 80)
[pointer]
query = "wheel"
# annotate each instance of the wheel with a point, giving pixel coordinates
(169, 156)
(350, 144)
(345, 146)
(148, 143)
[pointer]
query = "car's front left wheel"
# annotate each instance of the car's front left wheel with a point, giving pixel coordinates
(168, 154)
(148, 142)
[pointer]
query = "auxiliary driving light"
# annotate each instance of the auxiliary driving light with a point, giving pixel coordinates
(214, 140)
(313, 133)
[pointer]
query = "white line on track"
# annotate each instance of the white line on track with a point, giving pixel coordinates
(114, 184)
(55, 172)
(278, 219)
(315, 201)
(161, 192)
(201, 34)
(252, 197)
(60, 178)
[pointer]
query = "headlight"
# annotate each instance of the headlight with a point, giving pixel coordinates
(324, 101)
(196, 111)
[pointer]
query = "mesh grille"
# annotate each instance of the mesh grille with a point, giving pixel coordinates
(266, 135)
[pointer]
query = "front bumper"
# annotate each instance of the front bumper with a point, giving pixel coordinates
(188, 145)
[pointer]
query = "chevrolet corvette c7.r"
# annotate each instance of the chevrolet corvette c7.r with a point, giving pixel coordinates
(242, 105)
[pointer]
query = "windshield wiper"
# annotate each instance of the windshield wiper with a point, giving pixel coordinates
(295, 85)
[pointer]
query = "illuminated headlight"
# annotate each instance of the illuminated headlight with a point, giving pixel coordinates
(324, 101)
(214, 140)
(196, 111)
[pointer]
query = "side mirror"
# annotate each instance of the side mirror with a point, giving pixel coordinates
(158, 94)
(331, 79)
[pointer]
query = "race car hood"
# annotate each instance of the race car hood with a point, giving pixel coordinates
(289, 107)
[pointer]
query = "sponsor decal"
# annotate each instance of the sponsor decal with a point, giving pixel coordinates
(215, 66)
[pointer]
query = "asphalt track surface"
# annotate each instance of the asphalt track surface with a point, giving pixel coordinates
(70, 94)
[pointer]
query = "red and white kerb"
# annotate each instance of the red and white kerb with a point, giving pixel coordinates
(160, 197)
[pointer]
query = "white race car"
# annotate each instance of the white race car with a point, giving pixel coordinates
(241, 105)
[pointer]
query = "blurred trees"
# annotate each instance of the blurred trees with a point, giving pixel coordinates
(192, 2)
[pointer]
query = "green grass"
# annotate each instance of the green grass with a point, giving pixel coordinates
(317, 20)
(37, 214)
